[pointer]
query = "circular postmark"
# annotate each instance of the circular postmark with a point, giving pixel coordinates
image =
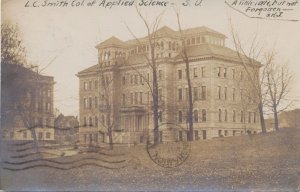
(173, 147)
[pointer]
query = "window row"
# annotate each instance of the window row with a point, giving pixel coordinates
(223, 116)
(104, 56)
(203, 39)
(196, 116)
(223, 73)
(198, 93)
(90, 85)
(196, 72)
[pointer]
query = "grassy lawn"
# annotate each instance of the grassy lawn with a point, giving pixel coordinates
(269, 162)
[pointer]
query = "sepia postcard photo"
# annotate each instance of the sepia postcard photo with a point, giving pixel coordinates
(150, 95)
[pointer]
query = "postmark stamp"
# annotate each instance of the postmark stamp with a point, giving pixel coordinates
(173, 148)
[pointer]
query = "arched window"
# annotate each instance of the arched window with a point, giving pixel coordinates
(180, 116)
(220, 115)
(196, 119)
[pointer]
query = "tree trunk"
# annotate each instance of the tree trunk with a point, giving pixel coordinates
(155, 107)
(276, 122)
(190, 110)
(262, 119)
(109, 132)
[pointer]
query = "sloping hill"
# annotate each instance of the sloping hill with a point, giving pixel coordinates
(269, 162)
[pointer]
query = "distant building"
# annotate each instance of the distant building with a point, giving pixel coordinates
(120, 79)
(66, 129)
(287, 119)
(26, 103)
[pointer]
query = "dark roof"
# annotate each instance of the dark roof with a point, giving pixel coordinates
(202, 50)
(90, 69)
(211, 50)
(201, 29)
(25, 73)
(112, 41)
(161, 32)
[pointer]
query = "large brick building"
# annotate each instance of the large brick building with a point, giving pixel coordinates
(118, 88)
(26, 103)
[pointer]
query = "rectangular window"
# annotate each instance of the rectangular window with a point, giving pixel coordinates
(142, 80)
(131, 98)
(48, 107)
(195, 72)
(90, 85)
(96, 102)
(123, 80)
(141, 97)
(220, 133)
(203, 92)
(198, 40)
(219, 92)
(180, 137)
(85, 86)
(96, 84)
(136, 98)
(25, 135)
(233, 73)
(180, 116)
(233, 116)
(90, 102)
(203, 71)
(48, 135)
(40, 135)
(195, 90)
(196, 135)
(136, 79)
(160, 94)
(179, 74)
(254, 117)
(242, 116)
(219, 71)
(180, 94)
(123, 99)
(131, 79)
(160, 74)
(186, 94)
(249, 117)
(233, 94)
(193, 41)
(225, 93)
(225, 72)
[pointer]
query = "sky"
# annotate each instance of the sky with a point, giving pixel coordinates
(64, 38)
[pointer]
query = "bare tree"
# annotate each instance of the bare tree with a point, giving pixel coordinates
(12, 49)
(107, 103)
(278, 81)
(185, 58)
(151, 61)
(249, 62)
